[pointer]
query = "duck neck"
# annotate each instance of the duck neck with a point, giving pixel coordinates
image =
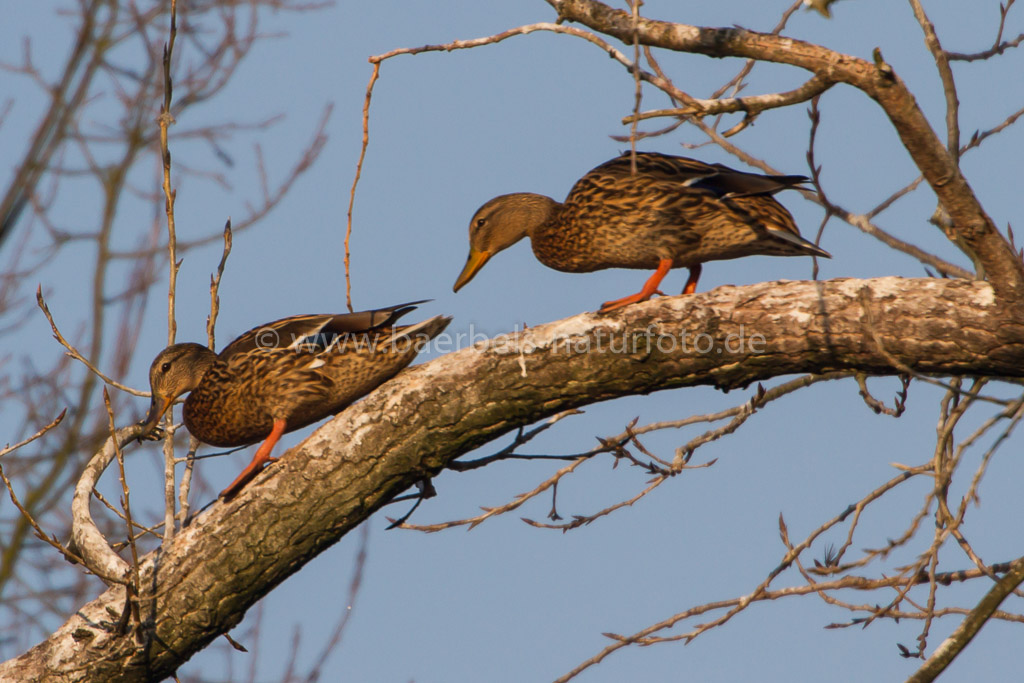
(200, 359)
(534, 212)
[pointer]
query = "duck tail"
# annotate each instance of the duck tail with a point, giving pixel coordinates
(805, 246)
(424, 330)
(740, 184)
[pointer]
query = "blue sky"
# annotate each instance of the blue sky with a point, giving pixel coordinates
(507, 602)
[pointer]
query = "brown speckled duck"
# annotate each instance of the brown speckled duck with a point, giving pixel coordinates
(672, 212)
(283, 376)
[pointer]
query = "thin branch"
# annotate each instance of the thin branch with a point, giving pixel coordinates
(354, 585)
(970, 227)
(583, 520)
(612, 52)
(66, 99)
(863, 221)
(969, 627)
(270, 200)
(74, 353)
(979, 136)
(899, 405)
(133, 586)
(638, 90)
(472, 522)
(40, 534)
(186, 481)
(684, 452)
(509, 451)
(931, 39)
(614, 444)
(751, 104)
(53, 423)
(998, 46)
(165, 120)
(355, 181)
(211, 321)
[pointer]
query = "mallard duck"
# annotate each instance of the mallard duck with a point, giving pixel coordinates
(671, 212)
(282, 376)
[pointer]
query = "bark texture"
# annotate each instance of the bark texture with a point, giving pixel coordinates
(410, 428)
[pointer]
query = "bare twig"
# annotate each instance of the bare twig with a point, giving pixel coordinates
(66, 97)
(969, 627)
(501, 509)
(52, 540)
(931, 39)
(509, 451)
(40, 534)
(899, 405)
(863, 221)
(74, 353)
(186, 481)
(684, 452)
(165, 120)
(53, 423)
(133, 586)
(638, 95)
(355, 181)
(354, 585)
(583, 520)
(614, 53)
(211, 321)
(751, 104)
(998, 46)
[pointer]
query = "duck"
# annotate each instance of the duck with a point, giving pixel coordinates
(670, 212)
(282, 376)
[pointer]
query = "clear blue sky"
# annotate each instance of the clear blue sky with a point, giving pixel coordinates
(506, 602)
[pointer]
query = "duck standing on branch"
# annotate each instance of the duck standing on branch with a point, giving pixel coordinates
(671, 212)
(283, 375)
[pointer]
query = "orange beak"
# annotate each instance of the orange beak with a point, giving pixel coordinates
(157, 407)
(474, 263)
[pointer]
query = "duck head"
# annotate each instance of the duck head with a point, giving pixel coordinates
(499, 224)
(176, 370)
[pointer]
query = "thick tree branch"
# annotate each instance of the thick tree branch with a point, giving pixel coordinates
(201, 584)
(972, 228)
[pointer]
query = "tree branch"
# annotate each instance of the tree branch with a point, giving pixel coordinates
(972, 228)
(970, 626)
(201, 584)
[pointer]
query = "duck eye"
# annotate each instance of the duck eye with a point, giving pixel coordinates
(165, 367)
(480, 222)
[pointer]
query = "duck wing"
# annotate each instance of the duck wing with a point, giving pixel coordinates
(717, 179)
(314, 331)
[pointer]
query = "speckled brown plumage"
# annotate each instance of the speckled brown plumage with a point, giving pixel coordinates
(284, 375)
(672, 212)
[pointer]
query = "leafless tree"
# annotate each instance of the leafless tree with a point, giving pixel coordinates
(100, 131)
(959, 329)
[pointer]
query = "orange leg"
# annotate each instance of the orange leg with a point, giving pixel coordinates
(649, 290)
(259, 460)
(691, 282)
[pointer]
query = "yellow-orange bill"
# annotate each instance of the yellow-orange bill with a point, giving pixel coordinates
(474, 263)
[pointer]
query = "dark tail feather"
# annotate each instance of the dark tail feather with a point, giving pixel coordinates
(800, 243)
(735, 183)
(362, 321)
